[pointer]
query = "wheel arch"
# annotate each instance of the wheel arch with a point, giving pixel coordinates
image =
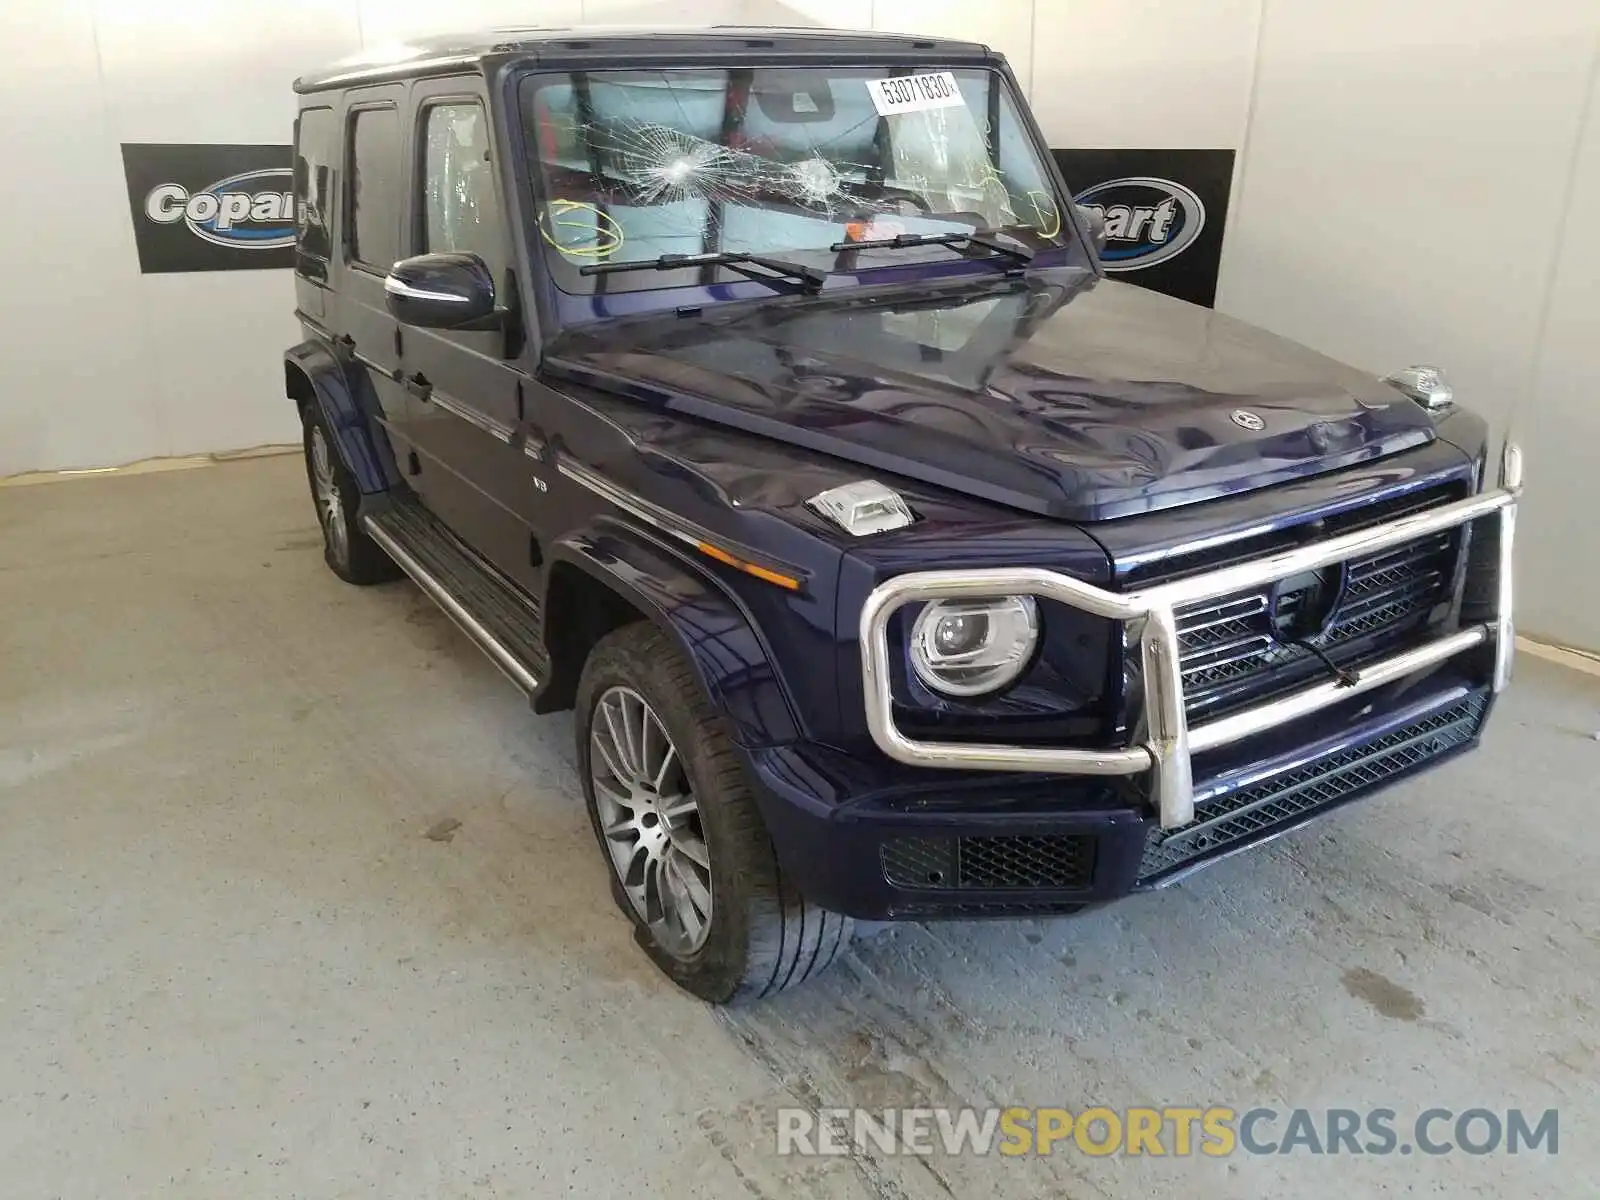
(313, 375)
(608, 577)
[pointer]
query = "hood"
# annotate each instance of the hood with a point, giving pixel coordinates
(1077, 398)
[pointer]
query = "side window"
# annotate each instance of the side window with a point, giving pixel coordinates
(374, 186)
(460, 201)
(314, 150)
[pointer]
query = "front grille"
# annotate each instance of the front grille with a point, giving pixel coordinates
(1363, 516)
(1258, 810)
(1228, 641)
(1044, 861)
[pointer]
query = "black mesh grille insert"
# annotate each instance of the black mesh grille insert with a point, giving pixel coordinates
(1039, 861)
(1238, 638)
(1255, 811)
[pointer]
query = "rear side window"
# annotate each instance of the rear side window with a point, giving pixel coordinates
(374, 187)
(460, 203)
(315, 146)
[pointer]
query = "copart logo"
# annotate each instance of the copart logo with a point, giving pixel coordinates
(250, 211)
(1148, 220)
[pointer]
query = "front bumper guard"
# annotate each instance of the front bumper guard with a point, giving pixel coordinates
(1166, 742)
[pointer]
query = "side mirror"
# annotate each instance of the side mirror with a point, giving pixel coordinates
(443, 291)
(1094, 219)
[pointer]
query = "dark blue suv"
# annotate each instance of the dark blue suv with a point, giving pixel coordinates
(760, 396)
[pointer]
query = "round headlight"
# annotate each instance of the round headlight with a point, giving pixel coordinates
(970, 647)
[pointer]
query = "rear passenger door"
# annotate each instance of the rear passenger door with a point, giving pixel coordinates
(316, 150)
(474, 475)
(372, 201)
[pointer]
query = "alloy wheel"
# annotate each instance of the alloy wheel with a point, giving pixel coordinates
(330, 505)
(650, 820)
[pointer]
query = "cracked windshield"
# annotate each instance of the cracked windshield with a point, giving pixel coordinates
(788, 163)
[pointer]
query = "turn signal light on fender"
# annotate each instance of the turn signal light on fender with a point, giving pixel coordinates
(787, 582)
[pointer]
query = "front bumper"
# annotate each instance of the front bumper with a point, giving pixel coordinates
(1002, 830)
(1022, 845)
(1167, 743)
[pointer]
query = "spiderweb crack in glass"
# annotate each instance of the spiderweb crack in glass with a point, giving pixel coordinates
(657, 164)
(637, 164)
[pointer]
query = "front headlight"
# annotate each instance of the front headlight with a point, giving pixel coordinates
(970, 647)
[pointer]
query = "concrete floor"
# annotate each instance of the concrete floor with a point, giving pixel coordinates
(232, 965)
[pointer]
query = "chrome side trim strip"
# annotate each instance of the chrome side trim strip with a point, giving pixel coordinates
(1166, 742)
(685, 531)
(509, 664)
(626, 501)
(391, 373)
(472, 417)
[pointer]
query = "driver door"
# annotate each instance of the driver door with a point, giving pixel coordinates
(466, 389)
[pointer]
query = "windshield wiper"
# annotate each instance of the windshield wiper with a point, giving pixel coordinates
(773, 270)
(982, 238)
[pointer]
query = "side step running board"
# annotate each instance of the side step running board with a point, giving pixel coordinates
(501, 620)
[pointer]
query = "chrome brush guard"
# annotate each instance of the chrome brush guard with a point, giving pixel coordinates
(1166, 740)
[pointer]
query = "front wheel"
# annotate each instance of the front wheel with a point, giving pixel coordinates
(352, 555)
(691, 863)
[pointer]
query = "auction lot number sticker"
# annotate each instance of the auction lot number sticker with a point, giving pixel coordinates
(914, 93)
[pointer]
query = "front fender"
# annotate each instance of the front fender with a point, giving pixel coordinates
(713, 626)
(313, 374)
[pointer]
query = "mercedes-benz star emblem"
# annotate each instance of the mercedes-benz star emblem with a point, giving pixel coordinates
(1245, 419)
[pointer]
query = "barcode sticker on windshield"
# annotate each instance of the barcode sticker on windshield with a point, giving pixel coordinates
(914, 93)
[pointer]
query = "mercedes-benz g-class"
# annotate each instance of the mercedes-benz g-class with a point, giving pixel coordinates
(759, 395)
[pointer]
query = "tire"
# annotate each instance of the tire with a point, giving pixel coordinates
(762, 936)
(348, 551)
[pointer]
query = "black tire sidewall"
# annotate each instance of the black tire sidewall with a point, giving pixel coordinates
(313, 425)
(364, 561)
(742, 875)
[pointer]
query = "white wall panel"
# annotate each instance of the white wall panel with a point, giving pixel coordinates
(215, 71)
(1155, 73)
(213, 352)
(78, 391)
(1560, 426)
(1003, 25)
(1396, 203)
(386, 21)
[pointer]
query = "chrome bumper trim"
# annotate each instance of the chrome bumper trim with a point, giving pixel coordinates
(1166, 742)
(1227, 730)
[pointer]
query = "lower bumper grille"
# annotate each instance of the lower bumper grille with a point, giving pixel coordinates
(1258, 810)
(1064, 861)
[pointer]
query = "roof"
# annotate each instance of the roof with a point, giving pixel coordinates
(579, 44)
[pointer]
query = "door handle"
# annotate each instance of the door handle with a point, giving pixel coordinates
(417, 384)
